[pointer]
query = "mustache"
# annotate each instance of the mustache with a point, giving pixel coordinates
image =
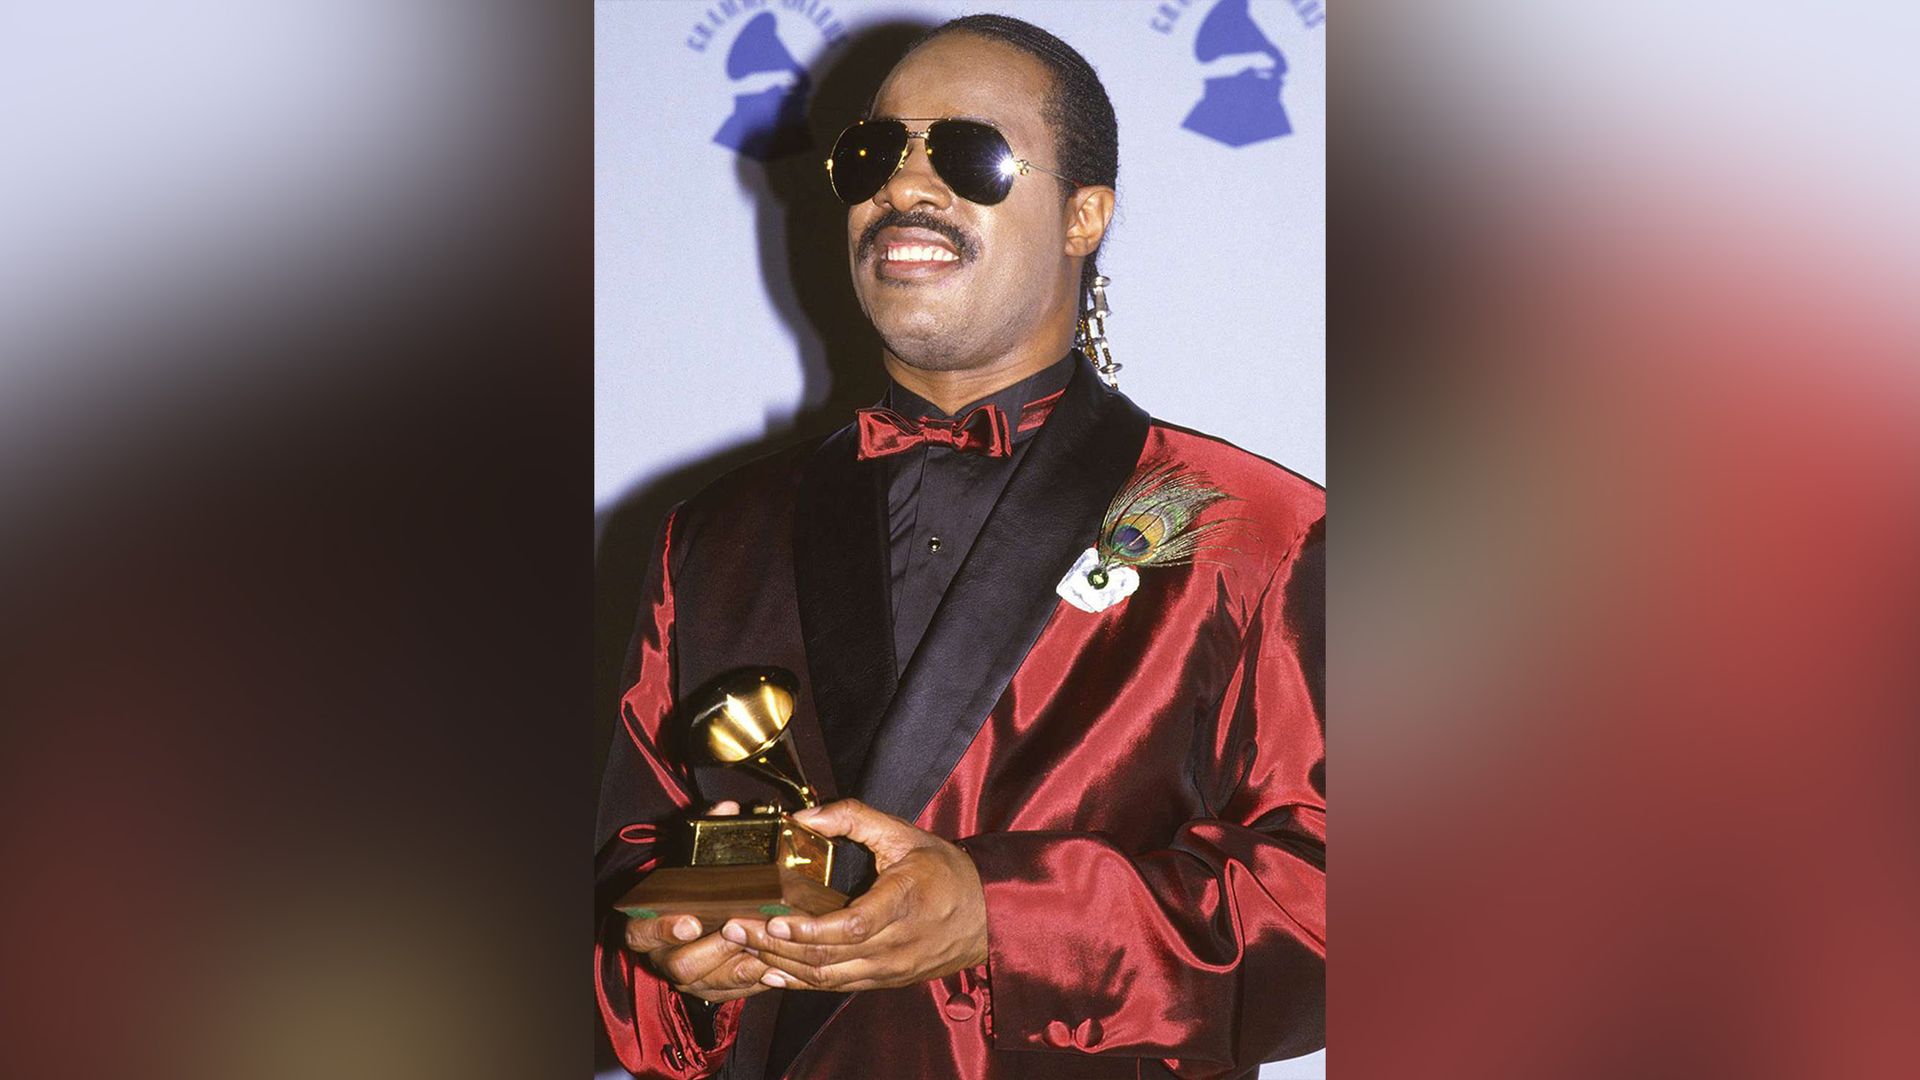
(963, 242)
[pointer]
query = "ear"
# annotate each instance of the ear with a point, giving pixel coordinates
(1088, 213)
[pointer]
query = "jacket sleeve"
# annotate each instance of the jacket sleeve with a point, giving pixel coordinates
(1209, 953)
(643, 790)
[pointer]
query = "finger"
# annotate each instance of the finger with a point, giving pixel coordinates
(888, 837)
(647, 934)
(759, 943)
(731, 978)
(721, 997)
(682, 965)
(870, 913)
(798, 976)
(724, 808)
(849, 986)
(696, 963)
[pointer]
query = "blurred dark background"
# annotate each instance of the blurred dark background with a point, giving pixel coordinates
(295, 425)
(294, 441)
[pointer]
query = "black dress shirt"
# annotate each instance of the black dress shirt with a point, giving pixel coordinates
(938, 498)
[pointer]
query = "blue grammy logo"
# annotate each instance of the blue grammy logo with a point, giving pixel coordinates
(1244, 107)
(769, 122)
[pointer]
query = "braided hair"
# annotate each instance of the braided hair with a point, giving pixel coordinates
(1086, 134)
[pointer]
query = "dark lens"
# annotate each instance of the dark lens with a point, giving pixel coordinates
(865, 155)
(973, 160)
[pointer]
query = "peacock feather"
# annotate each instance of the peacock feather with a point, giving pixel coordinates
(1151, 522)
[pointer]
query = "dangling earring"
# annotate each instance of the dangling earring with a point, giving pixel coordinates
(1093, 334)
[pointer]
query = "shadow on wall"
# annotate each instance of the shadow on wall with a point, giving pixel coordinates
(801, 229)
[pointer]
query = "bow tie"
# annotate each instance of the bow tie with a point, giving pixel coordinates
(981, 431)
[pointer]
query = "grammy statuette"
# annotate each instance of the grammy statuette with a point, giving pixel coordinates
(757, 864)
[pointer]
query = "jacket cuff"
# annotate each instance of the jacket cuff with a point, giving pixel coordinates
(1036, 931)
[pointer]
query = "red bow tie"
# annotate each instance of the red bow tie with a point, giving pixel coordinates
(982, 431)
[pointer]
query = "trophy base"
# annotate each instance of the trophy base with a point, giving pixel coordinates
(714, 894)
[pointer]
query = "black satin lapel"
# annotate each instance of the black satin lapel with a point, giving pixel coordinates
(1003, 595)
(841, 577)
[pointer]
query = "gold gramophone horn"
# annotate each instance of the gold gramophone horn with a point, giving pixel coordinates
(743, 724)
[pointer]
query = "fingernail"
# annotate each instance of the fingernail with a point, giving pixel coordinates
(774, 978)
(778, 928)
(751, 951)
(735, 933)
(686, 929)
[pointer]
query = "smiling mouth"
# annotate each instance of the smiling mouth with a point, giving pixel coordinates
(916, 260)
(917, 253)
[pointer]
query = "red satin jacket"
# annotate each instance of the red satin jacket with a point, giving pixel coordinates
(1142, 788)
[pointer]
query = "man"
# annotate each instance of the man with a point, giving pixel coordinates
(1067, 658)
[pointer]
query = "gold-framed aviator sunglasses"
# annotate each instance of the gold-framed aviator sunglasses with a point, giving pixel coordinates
(970, 156)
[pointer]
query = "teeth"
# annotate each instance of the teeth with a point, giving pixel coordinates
(919, 253)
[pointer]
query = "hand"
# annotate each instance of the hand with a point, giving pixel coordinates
(924, 917)
(711, 968)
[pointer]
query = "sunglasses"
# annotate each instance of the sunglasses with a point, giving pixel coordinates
(972, 158)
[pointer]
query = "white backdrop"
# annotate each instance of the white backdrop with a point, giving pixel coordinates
(724, 321)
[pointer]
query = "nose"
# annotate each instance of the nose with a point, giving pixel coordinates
(914, 184)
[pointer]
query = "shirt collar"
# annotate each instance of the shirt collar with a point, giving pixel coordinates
(1048, 380)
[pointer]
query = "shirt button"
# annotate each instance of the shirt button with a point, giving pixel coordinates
(933, 544)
